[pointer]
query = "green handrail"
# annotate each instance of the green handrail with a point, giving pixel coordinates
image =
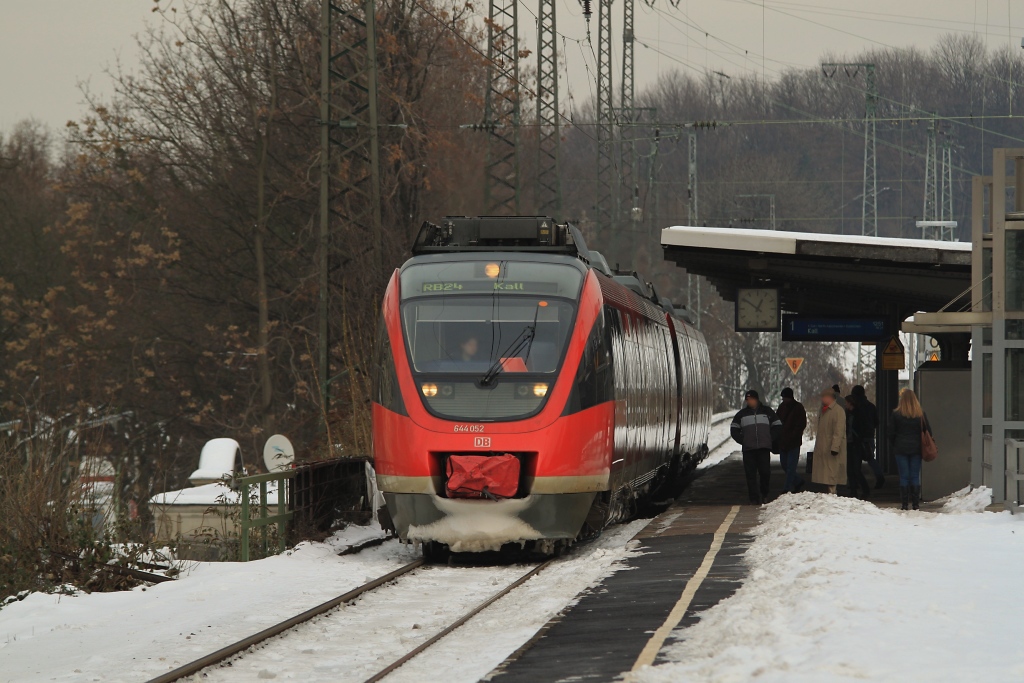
(264, 520)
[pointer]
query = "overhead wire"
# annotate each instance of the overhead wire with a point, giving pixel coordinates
(848, 13)
(962, 121)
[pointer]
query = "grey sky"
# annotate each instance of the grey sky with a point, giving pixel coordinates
(48, 46)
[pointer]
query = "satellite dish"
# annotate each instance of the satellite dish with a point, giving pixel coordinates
(278, 453)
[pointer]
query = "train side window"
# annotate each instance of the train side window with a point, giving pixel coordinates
(386, 390)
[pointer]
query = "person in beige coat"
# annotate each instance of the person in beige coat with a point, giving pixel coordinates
(830, 447)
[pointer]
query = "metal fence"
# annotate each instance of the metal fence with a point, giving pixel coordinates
(311, 499)
(263, 520)
(326, 492)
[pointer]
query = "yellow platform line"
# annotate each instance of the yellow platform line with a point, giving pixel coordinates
(657, 640)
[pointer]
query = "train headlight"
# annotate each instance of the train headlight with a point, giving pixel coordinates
(540, 390)
(522, 391)
(429, 390)
(446, 391)
(492, 269)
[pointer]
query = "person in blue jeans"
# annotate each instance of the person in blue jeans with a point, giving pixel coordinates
(906, 425)
(794, 422)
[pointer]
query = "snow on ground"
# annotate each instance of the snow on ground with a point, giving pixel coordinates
(134, 635)
(967, 500)
(840, 590)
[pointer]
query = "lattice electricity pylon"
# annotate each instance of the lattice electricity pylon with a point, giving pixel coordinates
(946, 203)
(501, 109)
(930, 210)
(691, 180)
(607, 184)
(549, 187)
(349, 146)
(869, 206)
(628, 116)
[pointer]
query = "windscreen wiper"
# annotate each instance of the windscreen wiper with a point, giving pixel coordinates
(524, 340)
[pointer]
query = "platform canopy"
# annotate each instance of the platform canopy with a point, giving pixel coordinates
(841, 275)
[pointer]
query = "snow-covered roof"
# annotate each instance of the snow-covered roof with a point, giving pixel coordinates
(813, 272)
(781, 242)
(208, 494)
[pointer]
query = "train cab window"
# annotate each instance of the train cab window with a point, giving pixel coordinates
(486, 338)
(594, 382)
(386, 391)
(469, 335)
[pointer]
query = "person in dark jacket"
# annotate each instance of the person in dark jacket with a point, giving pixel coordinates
(857, 423)
(794, 421)
(906, 424)
(755, 428)
(867, 434)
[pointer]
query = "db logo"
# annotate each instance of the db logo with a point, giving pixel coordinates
(482, 442)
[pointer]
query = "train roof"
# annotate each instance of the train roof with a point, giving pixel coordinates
(538, 234)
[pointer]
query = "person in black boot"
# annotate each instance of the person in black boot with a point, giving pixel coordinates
(868, 427)
(855, 424)
(906, 424)
(755, 428)
(794, 422)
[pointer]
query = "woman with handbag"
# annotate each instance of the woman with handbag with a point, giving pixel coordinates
(908, 428)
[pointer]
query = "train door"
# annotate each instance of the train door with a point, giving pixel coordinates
(616, 329)
(677, 407)
(635, 407)
(689, 386)
(668, 375)
(700, 374)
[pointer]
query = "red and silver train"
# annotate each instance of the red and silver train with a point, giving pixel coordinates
(526, 395)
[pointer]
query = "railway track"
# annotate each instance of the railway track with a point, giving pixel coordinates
(714, 423)
(233, 650)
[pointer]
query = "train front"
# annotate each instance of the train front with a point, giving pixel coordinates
(474, 446)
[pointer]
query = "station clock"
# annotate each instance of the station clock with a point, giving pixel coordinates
(757, 309)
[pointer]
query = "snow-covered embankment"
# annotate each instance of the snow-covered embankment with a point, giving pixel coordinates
(840, 590)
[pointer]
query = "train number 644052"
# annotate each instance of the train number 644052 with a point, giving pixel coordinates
(469, 429)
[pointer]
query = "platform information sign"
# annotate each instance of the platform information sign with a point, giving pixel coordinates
(808, 328)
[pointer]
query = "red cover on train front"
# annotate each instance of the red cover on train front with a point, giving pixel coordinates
(483, 476)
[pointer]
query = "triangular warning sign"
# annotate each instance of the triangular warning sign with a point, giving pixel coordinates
(794, 364)
(933, 357)
(894, 347)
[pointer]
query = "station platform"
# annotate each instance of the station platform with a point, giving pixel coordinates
(689, 558)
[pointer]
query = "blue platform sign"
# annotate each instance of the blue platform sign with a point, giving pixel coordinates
(808, 328)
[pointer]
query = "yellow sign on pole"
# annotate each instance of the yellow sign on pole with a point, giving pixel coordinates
(794, 364)
(893, 357)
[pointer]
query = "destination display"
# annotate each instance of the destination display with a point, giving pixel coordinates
(494, 277)
(491, 286)
(809, 328)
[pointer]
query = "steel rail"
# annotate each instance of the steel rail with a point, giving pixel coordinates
(466, 617)
(277, 629)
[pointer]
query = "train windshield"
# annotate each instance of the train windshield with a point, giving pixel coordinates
(487, 337)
